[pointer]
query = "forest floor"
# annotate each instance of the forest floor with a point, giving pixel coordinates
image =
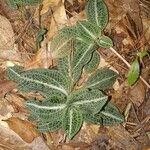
(128, 27)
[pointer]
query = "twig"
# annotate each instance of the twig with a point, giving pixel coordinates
(128, 65)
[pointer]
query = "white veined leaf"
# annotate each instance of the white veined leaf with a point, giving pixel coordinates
(104, 42)
(42, 80)
(62, 42)
(72, 121)
(87, 32)
(39, 108)
(46, 111)
(97, 13)
(101, 79)
(81, 55)
(72, 65)
(50, 125)
(108, 116)
(88, 100)
(93, 63)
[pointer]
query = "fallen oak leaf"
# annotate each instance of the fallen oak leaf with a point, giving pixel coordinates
(23, 128)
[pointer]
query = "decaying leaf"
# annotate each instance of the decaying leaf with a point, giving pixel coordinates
(6, 35)
(24, 129)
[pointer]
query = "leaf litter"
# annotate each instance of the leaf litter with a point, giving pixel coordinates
(126, 27)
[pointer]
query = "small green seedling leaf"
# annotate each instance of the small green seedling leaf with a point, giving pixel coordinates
(134, 72)
(142, 54)
(105, 42)
(97, 13)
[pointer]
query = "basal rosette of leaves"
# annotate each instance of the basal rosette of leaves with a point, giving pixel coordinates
(66, 105)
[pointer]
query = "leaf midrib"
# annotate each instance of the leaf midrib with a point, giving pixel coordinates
(62, 106)
(82, 56)
(89, 101)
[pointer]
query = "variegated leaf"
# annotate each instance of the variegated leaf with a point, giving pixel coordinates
(87, 32)
(72, 122)
(97, 13)
(101, 79)
(45, 112)
(88, 100)
(108, 116)
(81, 55)
(73, 64)
(51, 125)
(42, 80)
(104, 42)
(93, 63)
(62, 42)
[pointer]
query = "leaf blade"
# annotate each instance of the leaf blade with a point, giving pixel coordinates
(101, 79)
(93, 63)
(87, 32)
(104, 42)
(134, 72)
(33, 80)
(61, 43)
(108, 116)
(88, 100)
(97, 13)
(72, 122)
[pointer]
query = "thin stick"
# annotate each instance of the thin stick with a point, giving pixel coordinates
(128, 65)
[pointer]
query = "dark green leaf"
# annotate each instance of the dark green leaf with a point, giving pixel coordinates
(105, 42)
(42, 80)
(72, 122)
(88, 100)
(93, 63)
(108, 116)
(62, 42)
(87, 32)
(101, 79)
(97, 13)
(73, 64)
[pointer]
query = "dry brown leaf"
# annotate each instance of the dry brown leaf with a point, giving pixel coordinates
(6, 34)
(122, 138)
(9, 140)
(137, 93)
(23, 128)
(58, 20)
(7, 48)
(5, 87)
